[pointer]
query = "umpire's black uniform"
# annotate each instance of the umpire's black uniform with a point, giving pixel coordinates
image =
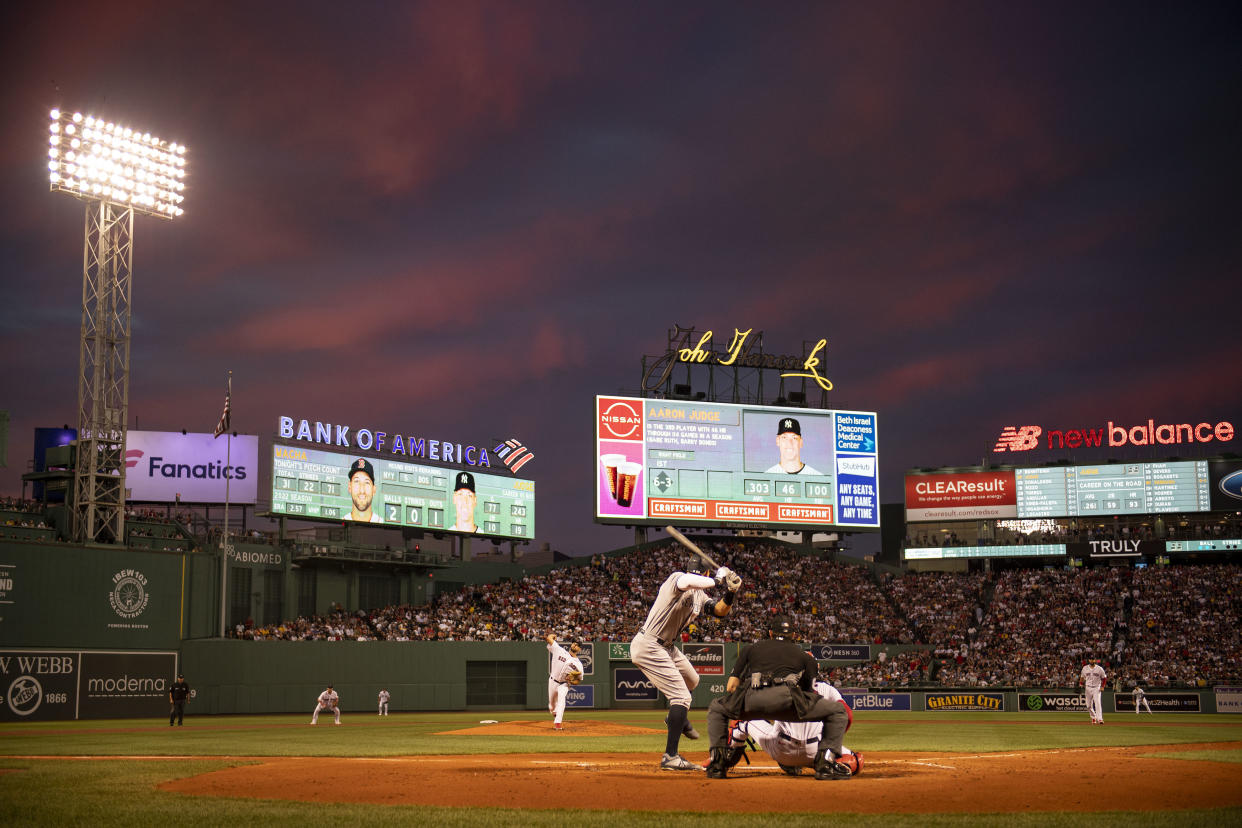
(177, 695)
(774, 682)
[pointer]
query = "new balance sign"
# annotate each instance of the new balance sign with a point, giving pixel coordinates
(1025, 438)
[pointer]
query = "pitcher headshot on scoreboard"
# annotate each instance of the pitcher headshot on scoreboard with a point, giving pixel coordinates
(362, 492)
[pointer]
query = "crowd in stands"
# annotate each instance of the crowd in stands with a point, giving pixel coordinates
(1174, 625)
(20, 514)
(1174, 527)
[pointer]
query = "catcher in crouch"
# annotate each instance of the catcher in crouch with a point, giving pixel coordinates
(793, 745)
(565, 669)
(772, 679)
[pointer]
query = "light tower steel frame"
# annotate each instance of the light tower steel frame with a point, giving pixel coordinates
(103, 375)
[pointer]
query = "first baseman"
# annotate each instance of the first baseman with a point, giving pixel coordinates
(1092, 677)
(682, 597)
(328, 700)
(564, 670)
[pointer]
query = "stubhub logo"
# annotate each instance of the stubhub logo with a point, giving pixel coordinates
(860, 466)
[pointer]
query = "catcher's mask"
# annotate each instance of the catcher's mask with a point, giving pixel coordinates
(780, 626)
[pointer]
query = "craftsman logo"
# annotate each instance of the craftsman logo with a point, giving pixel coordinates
(1231, 485)
(1018, 438)
(620, 419)
(129, 593)
(1112, 435)
(25, 695)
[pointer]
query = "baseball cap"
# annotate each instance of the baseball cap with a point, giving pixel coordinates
(780, 626)
(788, 424)
(362, 465)
(465, 480)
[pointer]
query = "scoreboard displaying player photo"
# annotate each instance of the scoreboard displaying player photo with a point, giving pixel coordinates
(315, 485)
(661, 462)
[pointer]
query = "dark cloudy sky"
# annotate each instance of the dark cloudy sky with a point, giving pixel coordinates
(468, 218)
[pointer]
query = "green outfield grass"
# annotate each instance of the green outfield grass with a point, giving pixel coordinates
(60, 791)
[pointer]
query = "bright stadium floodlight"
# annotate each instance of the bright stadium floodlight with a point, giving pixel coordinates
(92, 158)
(115, 170)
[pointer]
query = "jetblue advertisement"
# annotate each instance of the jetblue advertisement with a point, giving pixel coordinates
(167, 466)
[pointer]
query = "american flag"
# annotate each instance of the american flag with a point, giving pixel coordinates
(223, 425)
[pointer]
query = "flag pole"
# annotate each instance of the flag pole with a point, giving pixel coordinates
(224, 540)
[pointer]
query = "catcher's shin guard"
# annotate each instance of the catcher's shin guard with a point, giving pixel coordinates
(733, 755)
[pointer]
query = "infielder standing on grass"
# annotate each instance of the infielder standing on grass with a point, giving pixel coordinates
(1093, 677)
(1140, 698)
(328, 700)
(682, 597)
(383, 703)
(564, 670)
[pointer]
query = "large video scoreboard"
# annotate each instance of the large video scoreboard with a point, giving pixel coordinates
(691, 463)
(312, 484)
(1137, 488)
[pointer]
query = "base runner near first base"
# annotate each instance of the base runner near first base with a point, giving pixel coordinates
(564, 670)
(682, 597)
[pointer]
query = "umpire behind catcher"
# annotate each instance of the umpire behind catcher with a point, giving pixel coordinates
(772, 680)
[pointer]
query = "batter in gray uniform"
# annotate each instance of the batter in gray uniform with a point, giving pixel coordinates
(682, 597)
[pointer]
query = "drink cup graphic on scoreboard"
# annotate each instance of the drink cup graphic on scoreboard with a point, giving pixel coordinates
(610, 462)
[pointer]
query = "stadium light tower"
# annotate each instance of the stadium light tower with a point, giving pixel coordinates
(115, 170)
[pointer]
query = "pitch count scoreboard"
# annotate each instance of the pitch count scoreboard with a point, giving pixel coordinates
(315, 484)
(1138, 488)
(693, 463)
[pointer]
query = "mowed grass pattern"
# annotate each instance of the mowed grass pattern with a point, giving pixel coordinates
(60, 791)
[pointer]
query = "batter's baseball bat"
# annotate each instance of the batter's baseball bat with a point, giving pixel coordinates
(689, 544)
